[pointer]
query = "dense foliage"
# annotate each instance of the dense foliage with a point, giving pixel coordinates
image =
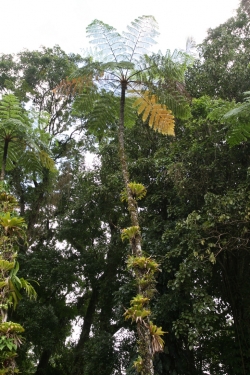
(194, 213)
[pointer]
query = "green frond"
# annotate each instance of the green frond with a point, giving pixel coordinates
(107, 39)
(10, 108)
(29, 289)
(140, 37)
(137, 312)
(240, 124)
(46, 161)
(16, 284)
(100, 110)
(238, 133)
(165, 75)
(136, 315)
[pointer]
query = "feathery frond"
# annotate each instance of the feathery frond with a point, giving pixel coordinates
(140, 37)
(240, 128)
(107, 39)
(160, 118)
(19, 143)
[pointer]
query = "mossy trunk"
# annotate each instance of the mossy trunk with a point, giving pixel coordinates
(144, 342)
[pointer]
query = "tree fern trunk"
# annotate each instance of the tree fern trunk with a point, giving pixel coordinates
(4, 161)
(144, 342)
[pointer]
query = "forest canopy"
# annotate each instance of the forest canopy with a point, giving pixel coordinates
(139, 262)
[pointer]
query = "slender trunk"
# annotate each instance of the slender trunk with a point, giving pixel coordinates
(144, 342)
(78, 367)
(43, 362)
(4, 161)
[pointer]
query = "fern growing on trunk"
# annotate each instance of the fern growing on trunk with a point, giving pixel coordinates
(12, 230)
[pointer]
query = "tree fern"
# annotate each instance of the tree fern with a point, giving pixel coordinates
(19, 143)
(121, 76)
(121, 62)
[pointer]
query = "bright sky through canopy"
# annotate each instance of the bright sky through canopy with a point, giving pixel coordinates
(32, 23)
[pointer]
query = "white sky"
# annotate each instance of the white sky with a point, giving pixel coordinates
(32, 23)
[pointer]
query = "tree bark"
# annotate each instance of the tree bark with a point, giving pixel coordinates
(144, 342)
(78, 367)
(4, 161)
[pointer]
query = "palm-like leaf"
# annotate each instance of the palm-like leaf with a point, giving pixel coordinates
(19, 143)
(160, 118)
(240, 124)
(16, 284)
(120, 63)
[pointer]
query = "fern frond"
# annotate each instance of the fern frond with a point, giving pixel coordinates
(107, 39)
(160, 118)
(240, 127)
(239, 133)
(46, 161)
(166, 80)
(99, 111)
(140, 36)
(10, 108)
(73, 86)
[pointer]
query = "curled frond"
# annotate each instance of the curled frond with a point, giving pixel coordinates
(160, 118)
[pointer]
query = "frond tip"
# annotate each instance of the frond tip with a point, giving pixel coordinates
(160, 117)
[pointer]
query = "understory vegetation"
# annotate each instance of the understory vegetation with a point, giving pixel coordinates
(138, 260)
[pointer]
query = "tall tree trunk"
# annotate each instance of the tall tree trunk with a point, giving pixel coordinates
(43, 363)
(78, 366)
(144, 342)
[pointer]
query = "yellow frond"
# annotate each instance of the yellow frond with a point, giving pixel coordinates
(46, 161)
(160, 117)
(138, 101)
(146, 113)
(142, 107)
